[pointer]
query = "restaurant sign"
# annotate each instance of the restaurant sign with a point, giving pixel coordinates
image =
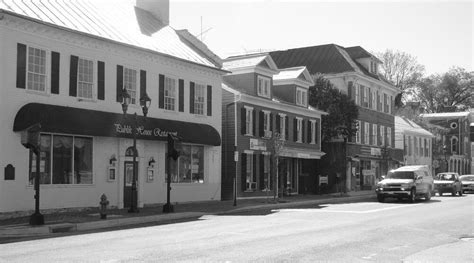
(142, 131)
(256, 144)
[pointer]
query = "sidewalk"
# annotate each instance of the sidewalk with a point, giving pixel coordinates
(89, 219)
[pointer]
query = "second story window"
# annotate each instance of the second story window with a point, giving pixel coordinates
(365, 102)
(266, 124)
(199, 99)
(313, 132)
(130, 83)
(85, 78)
(374, 134)
(170, 94)
(36, 70)
(282, 126)
(301, 97)
(263, 88)
(358, 132)
(382, 135)
(299, 130)
(248, 121)
(389, 136)
(367, 133)
(385, 103)
(357, 94)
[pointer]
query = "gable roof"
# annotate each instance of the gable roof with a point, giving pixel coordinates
(118, 20)
(250, 61)
(357, 52)
(404, 125)
(325, 59)
(297, 74)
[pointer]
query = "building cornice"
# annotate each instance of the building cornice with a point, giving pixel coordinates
(357, 75)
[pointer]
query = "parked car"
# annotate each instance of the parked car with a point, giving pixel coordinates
(410, 182)
(467, 182)
(448, 183)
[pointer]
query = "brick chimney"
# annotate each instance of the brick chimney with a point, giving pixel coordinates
(159, 8)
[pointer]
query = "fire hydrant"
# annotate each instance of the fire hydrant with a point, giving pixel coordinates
(103, 206)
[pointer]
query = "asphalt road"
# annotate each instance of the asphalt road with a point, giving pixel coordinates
(440, 230)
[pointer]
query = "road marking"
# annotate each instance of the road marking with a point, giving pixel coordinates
(369, 256)
(345, 211)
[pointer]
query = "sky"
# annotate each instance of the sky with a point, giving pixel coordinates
(438, 33)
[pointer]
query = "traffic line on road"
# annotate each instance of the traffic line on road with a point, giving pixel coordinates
(345, 211)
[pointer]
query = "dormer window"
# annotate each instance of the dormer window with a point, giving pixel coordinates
(301, 97)
(263, 88)
(373, 67)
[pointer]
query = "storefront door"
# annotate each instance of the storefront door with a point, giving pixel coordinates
(127, 186)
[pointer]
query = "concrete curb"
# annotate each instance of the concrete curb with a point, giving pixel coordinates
(26, 230)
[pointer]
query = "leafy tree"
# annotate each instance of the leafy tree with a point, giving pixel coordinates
(341, 120)
(401, 69)
(451, 91)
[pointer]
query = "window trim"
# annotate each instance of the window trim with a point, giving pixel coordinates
(262, 93)
(176, 95)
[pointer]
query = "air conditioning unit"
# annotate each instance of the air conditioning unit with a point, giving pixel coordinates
(268, 134)
(252, 186)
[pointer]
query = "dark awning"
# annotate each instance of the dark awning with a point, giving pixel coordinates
(68, 120)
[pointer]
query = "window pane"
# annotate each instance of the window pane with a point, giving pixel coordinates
(62, 160)
(82, 160)
(185, 165)
(197, 164)
(45, 162)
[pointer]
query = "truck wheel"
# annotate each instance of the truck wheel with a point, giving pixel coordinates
(412, 197)
(380, 198)
(428, 195)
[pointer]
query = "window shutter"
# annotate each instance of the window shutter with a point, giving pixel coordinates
(295, 130)
(271, 121)
(261, 175)
(254, 123)
(209, 100)
(349, 89)
(73, 76)
(261, 117)
(287, 125)
(161, 92)
(254, 172)
(119, 83)
(181, 95)
(21, 66)
(142, 83)
(303, 131)
(370, 98)
(54, 72)
(243, 120)
(278, 120)
(243, 172)
(378, 101)
(308, 132)
(191, 98)
(101, 80)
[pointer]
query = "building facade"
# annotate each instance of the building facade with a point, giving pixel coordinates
(267, 122)
(456, 141)
(415, 141)
(354, 71)
(65, 66)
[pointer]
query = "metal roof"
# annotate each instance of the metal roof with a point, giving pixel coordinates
(289, 73)
(243, 61)
(117, 20)
(404, 125)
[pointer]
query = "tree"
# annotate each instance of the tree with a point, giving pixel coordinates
(276, 146)
(341, 120)
(401, 69)
(451, 91)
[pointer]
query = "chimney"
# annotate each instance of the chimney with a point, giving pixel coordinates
(159, 8)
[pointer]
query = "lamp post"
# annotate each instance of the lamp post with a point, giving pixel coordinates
(445, 159)
(145, 102)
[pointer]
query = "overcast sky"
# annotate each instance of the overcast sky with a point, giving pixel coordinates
(438, 33)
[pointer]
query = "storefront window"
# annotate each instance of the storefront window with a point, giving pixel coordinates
(189, 167)
(68, 159)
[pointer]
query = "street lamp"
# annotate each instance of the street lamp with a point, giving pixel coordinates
(445, 159)
(145, 102)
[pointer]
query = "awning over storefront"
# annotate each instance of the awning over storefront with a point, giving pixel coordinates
(301, 153)
(68, 120)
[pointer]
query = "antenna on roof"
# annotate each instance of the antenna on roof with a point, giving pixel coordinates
(203, 32)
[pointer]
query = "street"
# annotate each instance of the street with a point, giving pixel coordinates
(440, 230)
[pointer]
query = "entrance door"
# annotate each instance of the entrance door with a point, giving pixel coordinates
(127, 186)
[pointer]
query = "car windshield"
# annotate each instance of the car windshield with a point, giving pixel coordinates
(445, 177)
(400, 175)
(467, 178)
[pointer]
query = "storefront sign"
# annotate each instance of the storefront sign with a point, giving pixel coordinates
(375, 151)
(367, 172)
(256, 144)
(303, 155)
(142, 131)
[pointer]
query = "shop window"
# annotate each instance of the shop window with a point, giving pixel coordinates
(251, 184)
(63, 160)
(189, 167)
(267, 184)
